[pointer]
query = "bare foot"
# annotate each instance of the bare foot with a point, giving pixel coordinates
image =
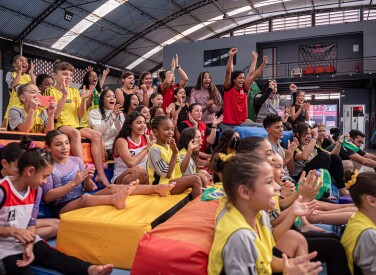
(91, 186)
(311, 227)
(163, 189)
(103, 179)
(118, 199)
(100, 269)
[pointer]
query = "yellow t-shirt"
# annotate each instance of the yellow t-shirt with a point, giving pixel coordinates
(17, 115)
(254, 248)
(356, 225)
(158, 164)
(69, 114)
(14, 100)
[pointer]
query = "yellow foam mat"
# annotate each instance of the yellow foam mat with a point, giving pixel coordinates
(103, 234)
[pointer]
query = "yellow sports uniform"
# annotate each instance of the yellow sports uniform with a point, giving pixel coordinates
(17, 115)
(158, 165)
(14, 100)
(69, 114)
(237, 248)
(357, 224)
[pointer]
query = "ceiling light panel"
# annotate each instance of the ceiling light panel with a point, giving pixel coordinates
(85, 23)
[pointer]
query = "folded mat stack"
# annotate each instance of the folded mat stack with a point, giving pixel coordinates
(181, 245)
(103, 234)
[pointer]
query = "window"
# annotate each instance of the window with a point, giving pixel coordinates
(369, 14)
(293, 22)
(215, 58)
(257, 28)
(337, 17)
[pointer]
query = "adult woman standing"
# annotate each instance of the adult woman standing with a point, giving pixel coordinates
(207, 95)
(235, 103)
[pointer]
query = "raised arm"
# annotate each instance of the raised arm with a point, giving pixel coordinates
(61, 103)
(252, 76)
(229, 67)
(31, 73)
(15, 81)
(213, 133)
(252, 68)
(51, 114)
(169, 75)
(183, 75)
(103, 79)
(85, 94)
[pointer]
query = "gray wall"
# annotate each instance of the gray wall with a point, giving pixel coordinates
(191, 55)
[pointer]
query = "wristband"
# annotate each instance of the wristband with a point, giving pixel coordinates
(178, 67)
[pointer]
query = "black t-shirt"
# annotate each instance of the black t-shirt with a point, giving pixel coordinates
(345, 153)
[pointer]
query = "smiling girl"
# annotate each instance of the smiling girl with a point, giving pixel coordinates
(163, 160)
(107, 120)
(207, 95)
(243, 241)
(30, 116)
(64, 186)
(127, 89)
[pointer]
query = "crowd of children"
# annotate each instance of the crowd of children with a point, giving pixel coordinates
(161, 143)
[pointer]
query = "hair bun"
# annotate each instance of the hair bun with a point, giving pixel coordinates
(27, 143)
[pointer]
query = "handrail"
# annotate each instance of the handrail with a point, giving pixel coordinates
(346, 66)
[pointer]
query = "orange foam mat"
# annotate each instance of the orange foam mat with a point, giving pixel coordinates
(8, 137)
(181, 245)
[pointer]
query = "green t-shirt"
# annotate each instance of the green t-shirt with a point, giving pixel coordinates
(253, 91)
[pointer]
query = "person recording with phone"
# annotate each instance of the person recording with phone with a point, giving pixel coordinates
(31, 115)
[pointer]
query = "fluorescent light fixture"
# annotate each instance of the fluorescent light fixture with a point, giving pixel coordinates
(185, 33)
(269, 2)
(85, 23)
(68, 55)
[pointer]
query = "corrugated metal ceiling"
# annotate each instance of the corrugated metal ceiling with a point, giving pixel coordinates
(139, 21)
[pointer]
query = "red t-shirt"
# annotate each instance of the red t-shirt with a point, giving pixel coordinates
(202, 129)
(168, 96)
(235, 106)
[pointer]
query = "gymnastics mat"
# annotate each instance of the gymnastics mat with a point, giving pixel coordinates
(8, 137)
(104, 234)
(181, 245)
(260, 132)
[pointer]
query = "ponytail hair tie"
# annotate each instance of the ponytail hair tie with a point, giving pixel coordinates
(224, 157)
(352, 181)
(32, 145)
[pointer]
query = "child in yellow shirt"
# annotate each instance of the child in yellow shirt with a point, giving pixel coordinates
(16, 78)
(243, 241)
(359, 238)
(70, 106)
